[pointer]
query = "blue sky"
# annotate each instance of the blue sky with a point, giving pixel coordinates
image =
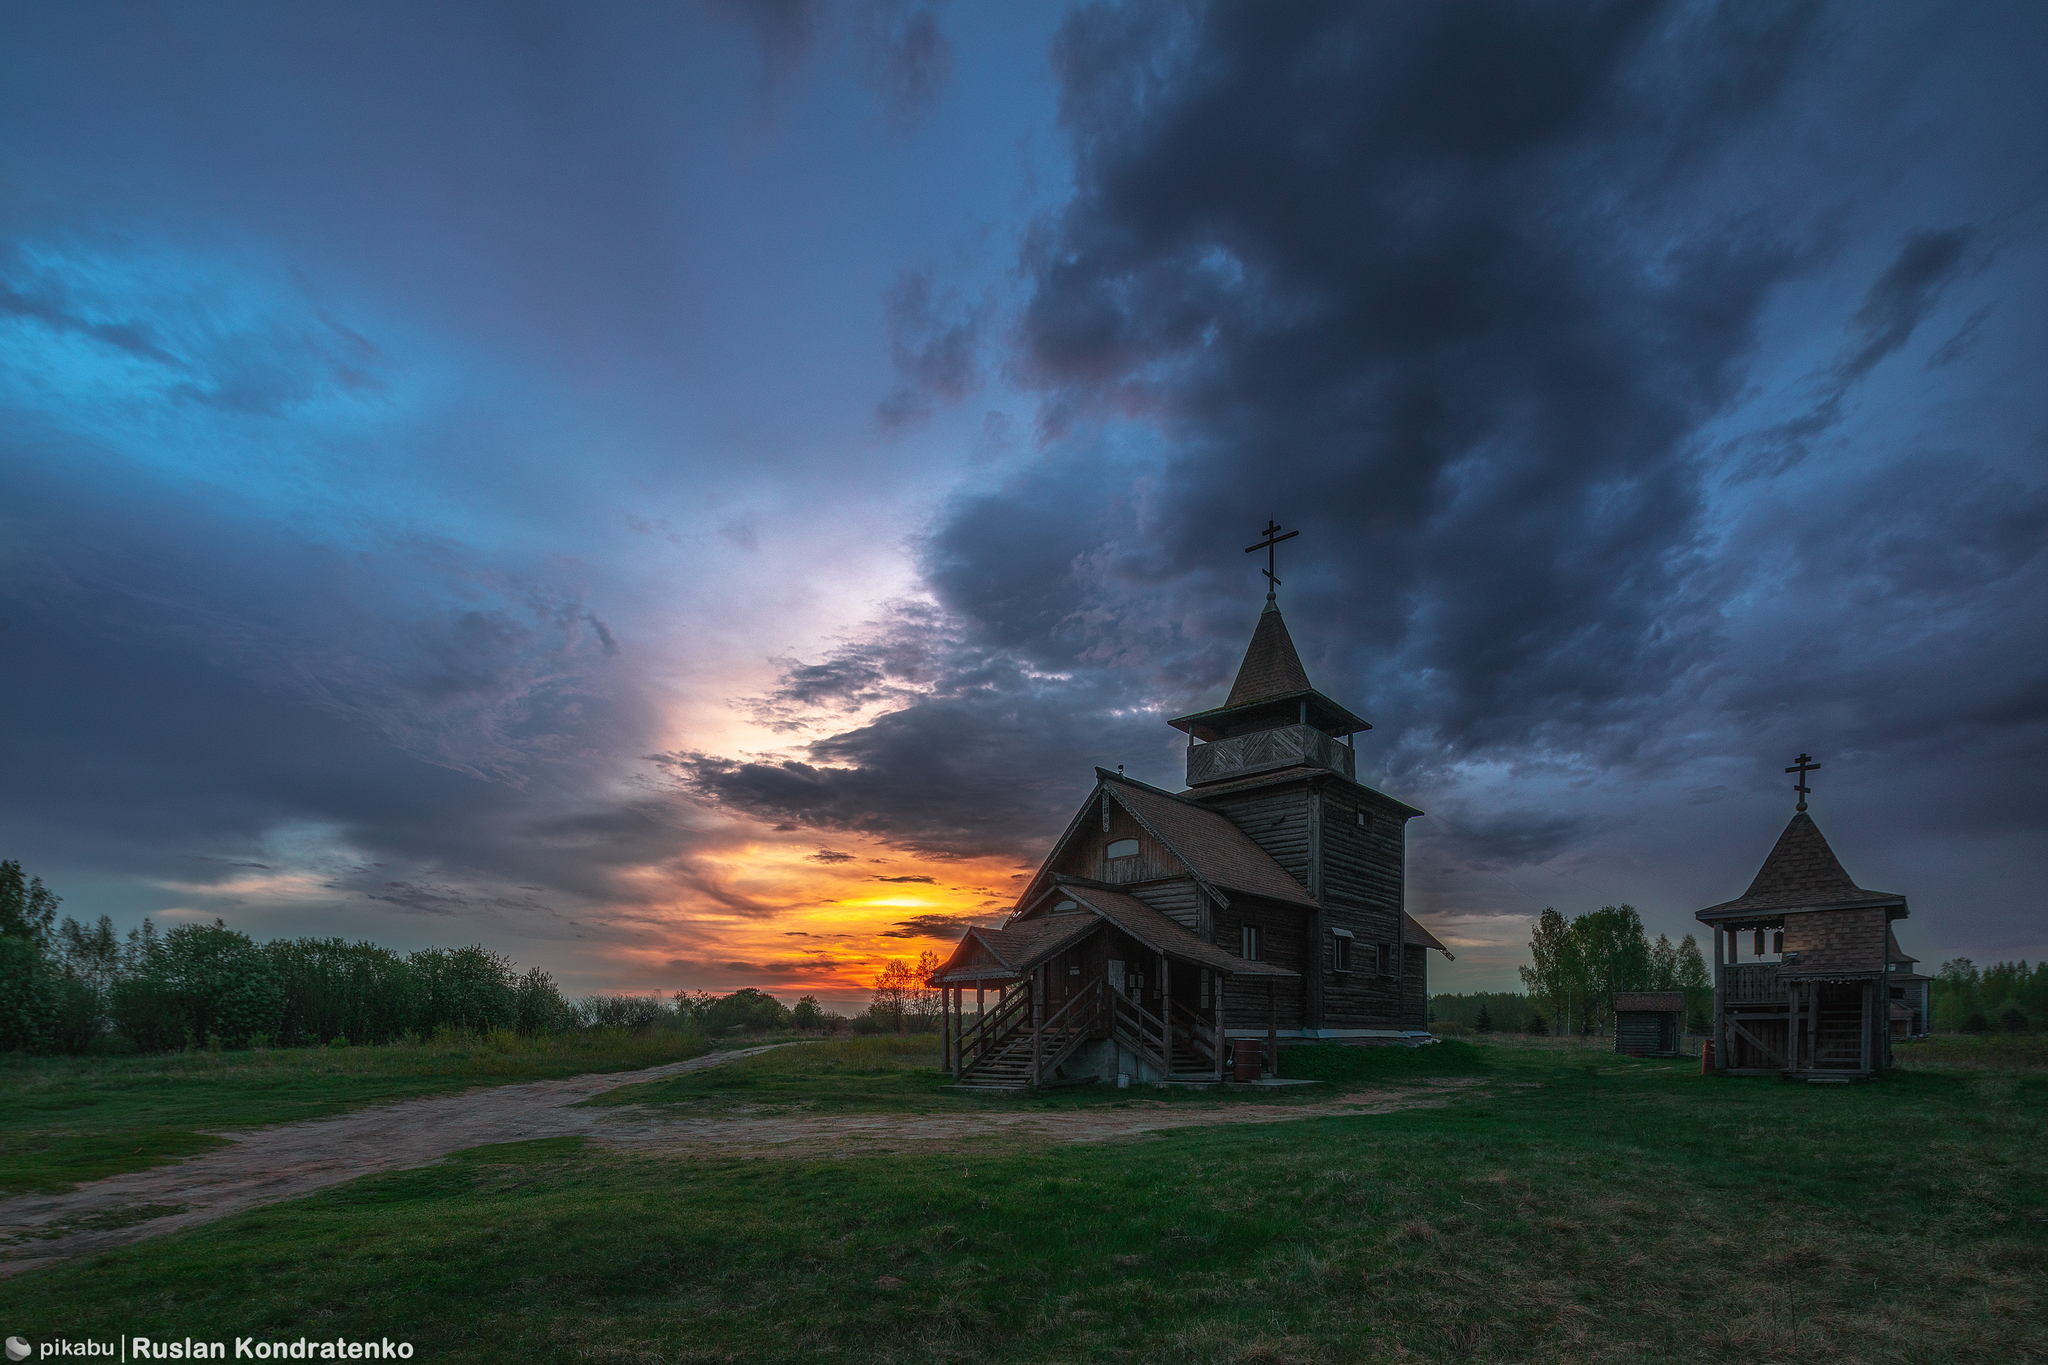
(647, 487)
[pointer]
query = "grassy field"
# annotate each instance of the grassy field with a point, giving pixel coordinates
(900, 1075)
(1573, 1206)
(67, 1119)
(1978, 1052)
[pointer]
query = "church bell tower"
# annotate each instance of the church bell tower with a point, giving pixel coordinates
(1277, 760)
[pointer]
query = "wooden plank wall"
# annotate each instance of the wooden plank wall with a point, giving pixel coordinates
(1179, 900)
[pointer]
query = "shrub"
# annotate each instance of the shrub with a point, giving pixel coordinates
(622, 1011)
(1976, 1023)
(30, 1003)
(1537, 1028)
(2013, 1021)
(331, 988)
(220, 985)
(468, 990)
(148, 1011)
(538, 1007)
(747, 1009)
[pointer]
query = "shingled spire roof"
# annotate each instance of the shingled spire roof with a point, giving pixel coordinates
(1271, 668)
(1801, 873)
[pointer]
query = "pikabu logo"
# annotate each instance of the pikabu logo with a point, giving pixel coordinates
(17, 1349)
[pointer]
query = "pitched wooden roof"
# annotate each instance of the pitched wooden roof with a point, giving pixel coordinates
(1892, 951)
(1216, 850)
(1834, 943)
(1415, 933)
(1014, 949)
(1164, 935)
(1801, 873)
(1652, 1002)
(1271, 667)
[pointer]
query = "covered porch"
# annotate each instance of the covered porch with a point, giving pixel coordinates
(1800, 1016)
(1099, 986)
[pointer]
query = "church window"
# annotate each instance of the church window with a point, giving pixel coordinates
(1124, 848)
(1064, 906)
(1251, 943)
(1205, 989)
(1364, 820)
(1340, 950)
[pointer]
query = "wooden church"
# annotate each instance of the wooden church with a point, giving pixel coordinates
(1816, 1001)
(1263, 902)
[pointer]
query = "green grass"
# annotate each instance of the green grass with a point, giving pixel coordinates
(1973, 1052)
(1572, 1208)
(70, 1119)
(886, 1074)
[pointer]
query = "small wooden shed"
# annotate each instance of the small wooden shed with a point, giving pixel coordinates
(1649, 1023)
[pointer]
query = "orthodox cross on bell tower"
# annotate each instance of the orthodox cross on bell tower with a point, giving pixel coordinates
(1804, 766)
(1273, 538)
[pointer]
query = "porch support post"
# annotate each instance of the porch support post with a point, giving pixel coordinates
(1037, 989)
(1216, 1000)
(1720, 1034)
(945, 1028)
(1866, 1026)
(1272, 1027)
(1166, 1012)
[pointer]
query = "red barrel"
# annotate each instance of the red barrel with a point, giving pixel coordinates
(1246, 1055)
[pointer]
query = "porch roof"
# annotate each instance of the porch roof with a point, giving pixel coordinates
(1163, 935)
(1015, 949)
(1415, 933)
(1020, 946)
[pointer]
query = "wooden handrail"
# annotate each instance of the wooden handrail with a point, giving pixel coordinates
(991, 1027)
(1196, 1031)
(1088, 993)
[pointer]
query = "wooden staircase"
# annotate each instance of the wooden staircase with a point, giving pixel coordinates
(997, 1053)
(1838, 1039)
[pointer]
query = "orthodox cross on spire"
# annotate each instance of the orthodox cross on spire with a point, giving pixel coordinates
(1804, 766)
(1273, 537)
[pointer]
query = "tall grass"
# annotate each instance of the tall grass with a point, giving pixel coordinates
(1973, 1052)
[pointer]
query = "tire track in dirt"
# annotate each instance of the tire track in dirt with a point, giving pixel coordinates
(267, 1165)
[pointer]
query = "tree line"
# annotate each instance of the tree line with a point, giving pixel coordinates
(1578, 965)
(2007, 997)
(72, 987)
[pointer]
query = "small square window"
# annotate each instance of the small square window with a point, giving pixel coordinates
(1364, 820)
(1340, 954)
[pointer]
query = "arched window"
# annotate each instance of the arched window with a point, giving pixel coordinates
(1124, 848)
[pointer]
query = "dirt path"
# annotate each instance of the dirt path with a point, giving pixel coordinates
(265, 1165)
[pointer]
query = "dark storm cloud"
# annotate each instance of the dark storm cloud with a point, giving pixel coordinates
(1898, 301)
(935, 350)
(939, 926)
(1386, 303)
(927, 881)
(982, 761)
(1905, 294)
(907, 57)
(783, 32)
(1457, 291)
